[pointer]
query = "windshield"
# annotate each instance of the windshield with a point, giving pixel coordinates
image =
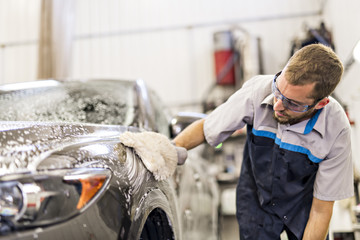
(101, 102)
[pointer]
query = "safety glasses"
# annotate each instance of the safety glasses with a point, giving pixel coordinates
(288, 103)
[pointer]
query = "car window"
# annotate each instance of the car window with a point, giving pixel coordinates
(99, 102)
(162, 114)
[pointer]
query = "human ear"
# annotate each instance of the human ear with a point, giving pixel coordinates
(322, 103)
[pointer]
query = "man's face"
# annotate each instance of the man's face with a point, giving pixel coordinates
(297, 94)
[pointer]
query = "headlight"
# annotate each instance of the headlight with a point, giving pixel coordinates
(11, 199)
(29, 200)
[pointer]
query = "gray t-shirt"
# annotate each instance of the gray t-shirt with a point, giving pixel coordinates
(324, 139)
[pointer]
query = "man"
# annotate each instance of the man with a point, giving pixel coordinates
(297, 158)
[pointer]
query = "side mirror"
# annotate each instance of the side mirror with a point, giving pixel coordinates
(183, 119)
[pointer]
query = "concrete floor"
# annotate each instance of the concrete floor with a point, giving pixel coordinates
(229, 228)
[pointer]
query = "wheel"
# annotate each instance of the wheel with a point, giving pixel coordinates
(157, 227)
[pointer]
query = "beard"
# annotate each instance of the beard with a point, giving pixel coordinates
(287, 119)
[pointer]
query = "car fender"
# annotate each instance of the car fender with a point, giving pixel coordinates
(154, 199)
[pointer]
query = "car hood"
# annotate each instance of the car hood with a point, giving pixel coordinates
(30, 146)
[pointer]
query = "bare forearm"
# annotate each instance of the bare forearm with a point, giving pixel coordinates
(191, 136)
(319, 219)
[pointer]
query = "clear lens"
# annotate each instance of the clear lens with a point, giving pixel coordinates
(288, 104)
(293, 106)
(38, 199)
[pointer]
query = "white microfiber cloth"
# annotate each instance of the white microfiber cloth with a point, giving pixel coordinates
(156, 151)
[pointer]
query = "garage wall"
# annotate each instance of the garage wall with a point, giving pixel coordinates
(166, 43)
(19, 30)
(169, 43)
(344, 18)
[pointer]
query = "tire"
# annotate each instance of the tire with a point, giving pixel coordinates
(157, 227)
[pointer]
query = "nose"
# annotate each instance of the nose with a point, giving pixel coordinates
(278, 105)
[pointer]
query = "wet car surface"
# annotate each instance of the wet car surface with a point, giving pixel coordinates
(65, 175)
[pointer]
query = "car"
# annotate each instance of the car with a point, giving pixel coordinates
(64, 174)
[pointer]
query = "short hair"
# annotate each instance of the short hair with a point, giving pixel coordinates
(315, 63)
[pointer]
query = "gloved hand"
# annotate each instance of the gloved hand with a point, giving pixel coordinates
(159, 155)
(181, 153)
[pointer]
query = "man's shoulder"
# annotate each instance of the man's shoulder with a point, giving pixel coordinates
(260, 85)
(336, 112)
(336, 119)
(260, 80)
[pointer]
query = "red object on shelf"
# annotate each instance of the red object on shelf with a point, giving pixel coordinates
(225, 58)
(224, 67)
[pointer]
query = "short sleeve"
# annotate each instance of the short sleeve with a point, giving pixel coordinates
(334, 179)
(230, 116)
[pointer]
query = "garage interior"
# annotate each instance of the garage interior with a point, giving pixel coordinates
(195, 54)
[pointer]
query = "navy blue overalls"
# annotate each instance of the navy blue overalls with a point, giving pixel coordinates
(275, 188)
